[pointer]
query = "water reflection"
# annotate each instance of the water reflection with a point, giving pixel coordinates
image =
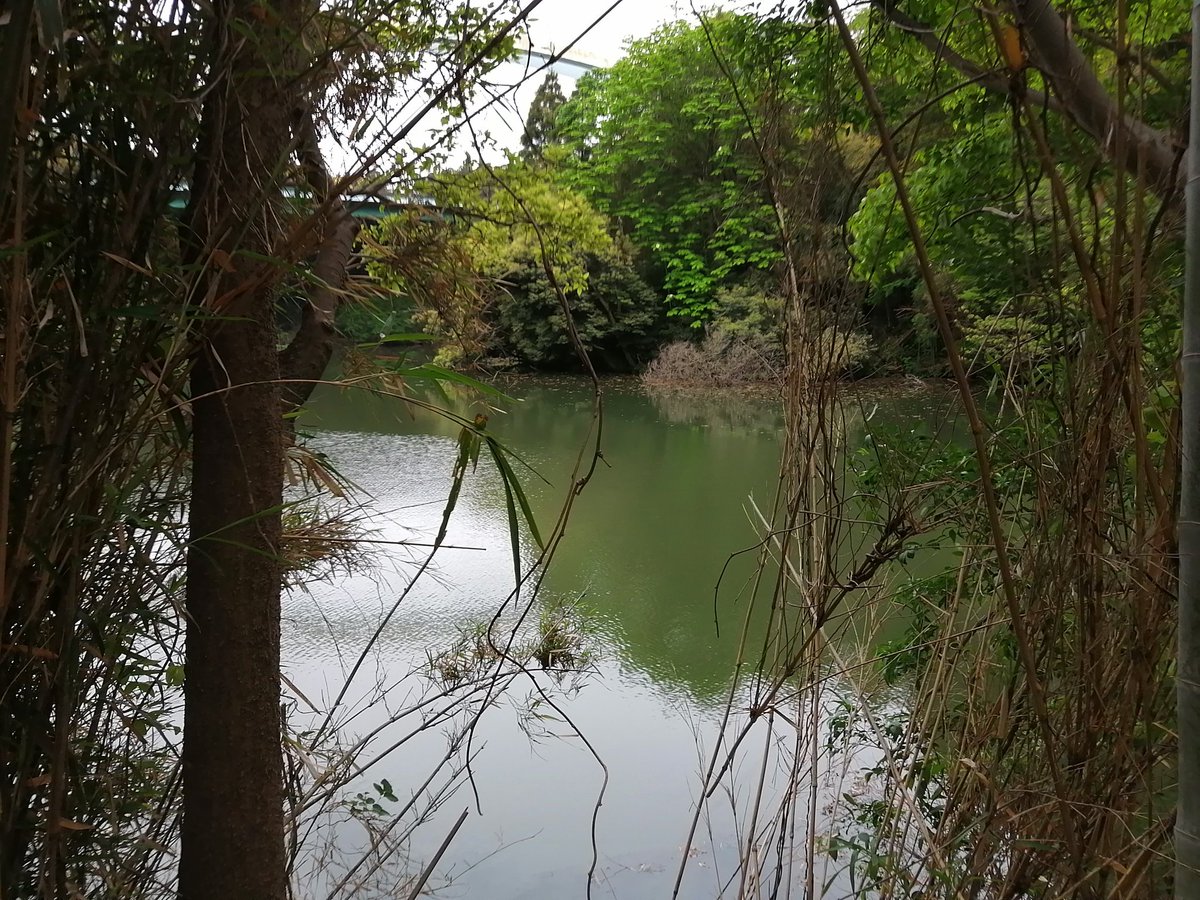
(753, 411)
(644, 549)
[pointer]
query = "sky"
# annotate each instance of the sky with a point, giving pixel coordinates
(554, 24)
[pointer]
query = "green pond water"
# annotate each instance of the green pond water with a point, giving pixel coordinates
(645, 545)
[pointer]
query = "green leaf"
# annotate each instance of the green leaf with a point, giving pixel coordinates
(436, 373)
(514, 534)
(414, 337)
(510, 478)
(467, 438)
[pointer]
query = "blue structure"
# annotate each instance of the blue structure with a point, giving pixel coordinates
(369, 207)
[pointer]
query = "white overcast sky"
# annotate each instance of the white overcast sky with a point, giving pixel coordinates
(556, 22)
(553, 26)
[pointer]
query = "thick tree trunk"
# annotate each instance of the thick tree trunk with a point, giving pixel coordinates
(232, 839)
(233, 829)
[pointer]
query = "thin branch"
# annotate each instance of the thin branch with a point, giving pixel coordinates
(306, 356)
(1076, 91)
(978, 434)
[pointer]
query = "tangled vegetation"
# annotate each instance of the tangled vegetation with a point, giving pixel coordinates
(991, 192)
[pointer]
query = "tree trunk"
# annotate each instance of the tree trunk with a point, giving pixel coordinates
(232, 838)
(1187, 687)
(304, 360)
(1075, 90)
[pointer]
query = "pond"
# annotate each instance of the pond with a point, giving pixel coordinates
(644, 548)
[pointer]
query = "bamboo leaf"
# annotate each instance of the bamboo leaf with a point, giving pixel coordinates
(510, 478)
(128, 264)
(437, 373)
(480, 424)
(514, 531)
(414, 337)
(467, 439)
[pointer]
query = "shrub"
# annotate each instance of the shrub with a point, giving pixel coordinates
(745, 345)
(724, 361)
(618, 318)
(751, 312)
(846, 350)
(718, 360)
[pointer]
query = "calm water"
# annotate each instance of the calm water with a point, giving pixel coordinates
(644, 548)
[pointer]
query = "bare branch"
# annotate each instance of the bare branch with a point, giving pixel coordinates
(1076, 92)
(304, 359)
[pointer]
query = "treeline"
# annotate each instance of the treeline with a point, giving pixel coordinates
(641, 204)
(723, 182)
(656, 203)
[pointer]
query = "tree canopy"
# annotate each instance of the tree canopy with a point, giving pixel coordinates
(541, 122)
(518, 244)
(666, 145)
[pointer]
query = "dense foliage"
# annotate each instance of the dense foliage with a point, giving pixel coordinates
(666, 143)
(740, 106)
(541, 123)
(617, 319)
(984, 198)
(1042, 169)
(492, 277)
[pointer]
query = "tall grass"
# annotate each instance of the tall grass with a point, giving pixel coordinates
(91, 462)
(1037, 757)
(1011, 734)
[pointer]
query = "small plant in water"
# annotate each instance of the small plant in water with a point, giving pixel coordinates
(561, 644)
(557, 643)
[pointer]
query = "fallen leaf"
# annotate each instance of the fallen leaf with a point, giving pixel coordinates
(223, 260)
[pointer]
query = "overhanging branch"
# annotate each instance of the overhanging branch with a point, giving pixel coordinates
(1053, 50)
(931, 40)
(1075, 91)
(304, 359)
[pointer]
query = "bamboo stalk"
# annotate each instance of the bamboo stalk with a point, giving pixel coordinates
(9, 387)
(978, 434)
(1187, 698)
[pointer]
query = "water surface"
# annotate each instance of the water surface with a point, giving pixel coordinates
(645, 546)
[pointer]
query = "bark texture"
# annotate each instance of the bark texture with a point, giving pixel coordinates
(232, 839)
(305, 358)
(1076, 91)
